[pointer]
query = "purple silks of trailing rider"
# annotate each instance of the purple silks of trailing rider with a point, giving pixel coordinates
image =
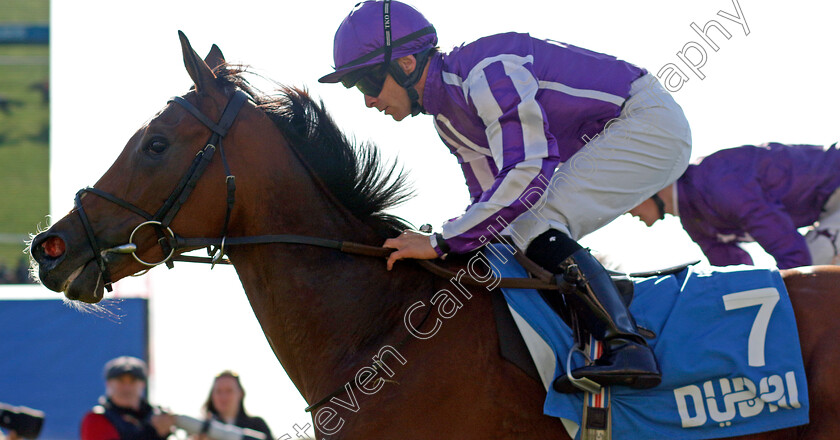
(762, 193)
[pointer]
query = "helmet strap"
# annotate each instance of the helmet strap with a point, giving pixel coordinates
(405, 81)
(416, 107)
(660, 205)
(386, 26)
(409, 81)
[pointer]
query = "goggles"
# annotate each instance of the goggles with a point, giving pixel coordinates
(368, 81)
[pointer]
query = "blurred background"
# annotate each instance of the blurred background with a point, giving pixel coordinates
(24, 129)
(110, 66)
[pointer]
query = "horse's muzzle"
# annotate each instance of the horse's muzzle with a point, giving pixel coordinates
(77, 276)
(48, 250)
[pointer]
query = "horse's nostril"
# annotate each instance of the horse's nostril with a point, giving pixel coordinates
(53, 247)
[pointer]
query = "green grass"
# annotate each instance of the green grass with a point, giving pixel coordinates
(24, 132)
(24, 11)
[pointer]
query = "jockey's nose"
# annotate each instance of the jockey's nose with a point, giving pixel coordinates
(370, 101)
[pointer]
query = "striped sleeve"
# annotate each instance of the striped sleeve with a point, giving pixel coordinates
(478, 171)
(503, 90)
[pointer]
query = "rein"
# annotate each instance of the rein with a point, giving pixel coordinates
(543, 278)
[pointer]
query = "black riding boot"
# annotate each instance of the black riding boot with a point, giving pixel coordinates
(627, 359)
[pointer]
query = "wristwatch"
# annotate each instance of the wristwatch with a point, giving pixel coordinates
(439, 244)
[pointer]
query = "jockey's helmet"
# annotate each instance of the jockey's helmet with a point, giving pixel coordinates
(375, 34)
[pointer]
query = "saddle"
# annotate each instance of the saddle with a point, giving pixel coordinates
(513, 348)
(512, 345)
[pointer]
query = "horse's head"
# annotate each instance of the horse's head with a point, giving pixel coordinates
(123, 224)
(172, 184)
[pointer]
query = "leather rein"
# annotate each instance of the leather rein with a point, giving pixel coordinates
(170, 242)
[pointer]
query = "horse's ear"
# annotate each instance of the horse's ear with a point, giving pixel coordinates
(200, 73)
(215, 58)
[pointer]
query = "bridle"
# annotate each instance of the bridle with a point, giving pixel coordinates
(161, 220)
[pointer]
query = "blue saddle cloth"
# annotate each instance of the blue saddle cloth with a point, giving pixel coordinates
(727, 345)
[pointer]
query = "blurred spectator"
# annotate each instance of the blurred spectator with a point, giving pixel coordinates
(22, 275)
(226, 403)
(43, 88)
(20, 422)
(6, 104)
(16, 275)
(758, 193)
(11, 435)
(123, 413)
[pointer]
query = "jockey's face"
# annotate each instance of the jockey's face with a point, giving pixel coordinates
(393, 100)
(646, 212)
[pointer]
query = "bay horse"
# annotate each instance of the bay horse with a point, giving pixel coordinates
(335, 318)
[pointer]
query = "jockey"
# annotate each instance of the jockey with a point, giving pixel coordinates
(758, 193)
(527, 121)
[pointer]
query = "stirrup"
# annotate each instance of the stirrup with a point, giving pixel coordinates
(583, 383)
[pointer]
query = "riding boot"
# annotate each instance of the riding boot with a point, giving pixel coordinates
(627, 359)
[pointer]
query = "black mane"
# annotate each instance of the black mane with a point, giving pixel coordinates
(354, 174)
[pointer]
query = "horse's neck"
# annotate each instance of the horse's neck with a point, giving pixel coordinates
(324, 312)
(320, 309)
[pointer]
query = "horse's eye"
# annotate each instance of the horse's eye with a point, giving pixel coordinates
(157, 146)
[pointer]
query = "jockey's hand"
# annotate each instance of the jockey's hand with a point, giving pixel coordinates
(411, 244)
